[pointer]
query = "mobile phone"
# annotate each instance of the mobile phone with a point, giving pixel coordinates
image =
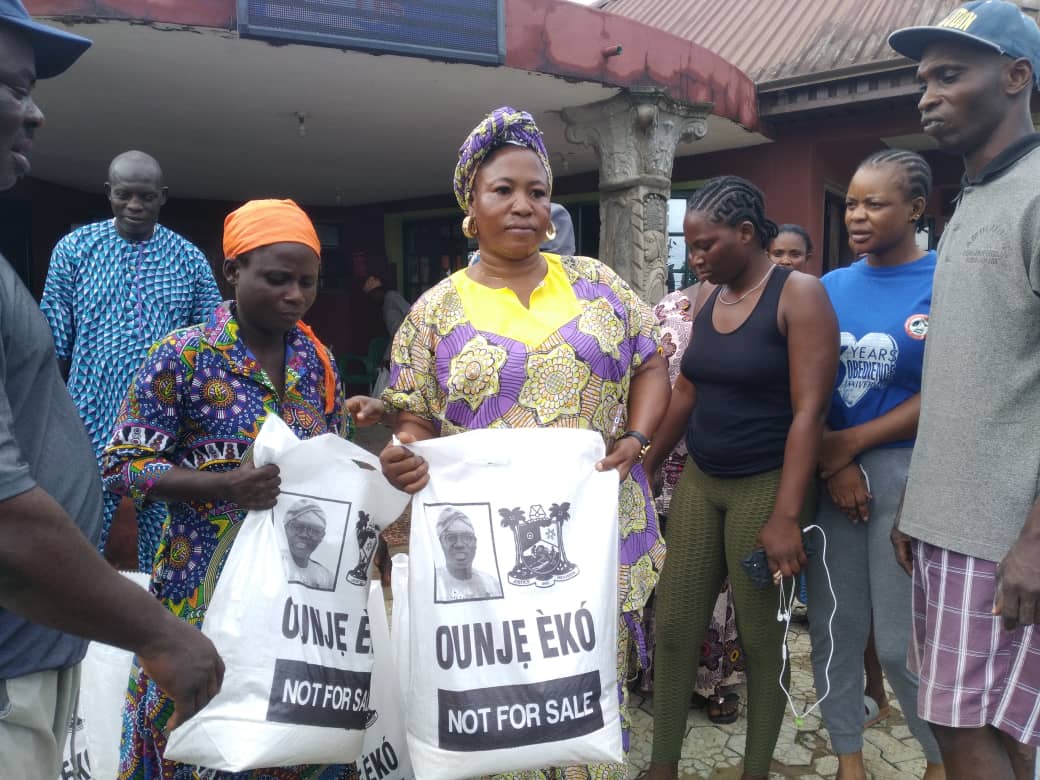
(756, 566)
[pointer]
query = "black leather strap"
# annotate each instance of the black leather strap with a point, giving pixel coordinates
(643, 441)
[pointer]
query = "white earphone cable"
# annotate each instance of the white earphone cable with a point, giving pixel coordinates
(783, 615)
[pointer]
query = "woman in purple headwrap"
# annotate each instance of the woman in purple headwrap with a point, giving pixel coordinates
(533, 339)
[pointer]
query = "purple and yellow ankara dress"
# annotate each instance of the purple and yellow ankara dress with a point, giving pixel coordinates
(469, 357)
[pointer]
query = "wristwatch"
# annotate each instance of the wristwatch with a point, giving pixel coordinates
(644, 443)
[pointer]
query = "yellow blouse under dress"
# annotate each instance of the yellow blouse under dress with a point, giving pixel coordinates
(470, 356)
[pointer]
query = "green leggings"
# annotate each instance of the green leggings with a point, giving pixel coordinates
(712, 525)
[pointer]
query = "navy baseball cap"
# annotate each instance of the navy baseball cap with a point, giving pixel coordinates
(55, 49)
(993, 24)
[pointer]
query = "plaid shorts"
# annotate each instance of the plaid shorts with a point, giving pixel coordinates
(973, 673)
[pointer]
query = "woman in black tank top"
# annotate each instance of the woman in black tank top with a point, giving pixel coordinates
(752, 398)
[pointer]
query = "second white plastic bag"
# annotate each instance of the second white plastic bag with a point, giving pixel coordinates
(513, 605)
(385, 752)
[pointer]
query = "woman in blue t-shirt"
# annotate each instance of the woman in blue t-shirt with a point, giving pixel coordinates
(882, 302)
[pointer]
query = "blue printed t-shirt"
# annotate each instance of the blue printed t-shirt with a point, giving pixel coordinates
(883, 318)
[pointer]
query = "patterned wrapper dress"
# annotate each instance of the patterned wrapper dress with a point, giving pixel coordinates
(198, 402)
(722, 658)
(469, 357)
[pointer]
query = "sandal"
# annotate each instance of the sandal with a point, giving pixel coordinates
(873, 714)
(723, 709)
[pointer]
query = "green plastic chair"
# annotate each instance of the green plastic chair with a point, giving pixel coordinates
(362, 369)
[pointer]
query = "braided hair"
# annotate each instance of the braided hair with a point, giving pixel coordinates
(917, 175)
(731, 200)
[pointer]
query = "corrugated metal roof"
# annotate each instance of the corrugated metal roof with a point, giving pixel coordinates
(781, 39)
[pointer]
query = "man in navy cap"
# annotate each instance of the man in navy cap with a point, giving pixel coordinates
(969, 529)
(51, 577)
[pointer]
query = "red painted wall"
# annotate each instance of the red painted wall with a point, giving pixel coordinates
(547, 36)
(567, 39)
(345, 319)
(199, 13)
(793, 170)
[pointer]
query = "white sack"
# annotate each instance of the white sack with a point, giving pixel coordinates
(400, 651)
(92, 747)
(295, 636)
(513, 667)
(76, 759)
(381, 383)
(385, 752)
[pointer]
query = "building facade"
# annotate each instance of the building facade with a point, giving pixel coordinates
(358, 115)
(360, 120)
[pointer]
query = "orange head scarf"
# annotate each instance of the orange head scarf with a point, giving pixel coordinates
(262, 222)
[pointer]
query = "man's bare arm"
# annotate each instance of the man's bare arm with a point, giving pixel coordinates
(50, 574)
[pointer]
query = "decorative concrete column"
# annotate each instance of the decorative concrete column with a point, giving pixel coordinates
(635, 134)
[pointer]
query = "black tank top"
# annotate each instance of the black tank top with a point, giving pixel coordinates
(743, 411)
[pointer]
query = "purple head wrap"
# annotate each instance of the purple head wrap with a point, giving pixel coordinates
(502, 126)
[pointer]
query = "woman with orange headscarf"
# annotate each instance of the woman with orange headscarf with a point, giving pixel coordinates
(193, 410)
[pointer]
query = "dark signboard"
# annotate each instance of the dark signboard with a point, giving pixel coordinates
(466, 30)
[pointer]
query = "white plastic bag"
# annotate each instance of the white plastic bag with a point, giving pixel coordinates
(92, 745)
(400, 651)
(76, 759)
(385, 752)
(382, 380)
(288, 615)
(513, 605)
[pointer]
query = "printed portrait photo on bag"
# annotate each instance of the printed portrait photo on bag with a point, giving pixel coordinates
(315, 531)
(467, 563)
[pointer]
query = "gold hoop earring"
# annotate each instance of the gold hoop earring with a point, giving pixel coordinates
(550, 234)
(469, 227)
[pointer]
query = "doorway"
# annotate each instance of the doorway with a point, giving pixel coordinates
(16, 238)
(836, 251)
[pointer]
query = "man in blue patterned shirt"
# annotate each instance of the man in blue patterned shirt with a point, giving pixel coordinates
(113, 289)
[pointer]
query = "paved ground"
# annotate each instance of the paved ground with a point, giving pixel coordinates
(713, 752)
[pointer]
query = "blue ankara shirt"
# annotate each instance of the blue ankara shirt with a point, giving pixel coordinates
(107, 300)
